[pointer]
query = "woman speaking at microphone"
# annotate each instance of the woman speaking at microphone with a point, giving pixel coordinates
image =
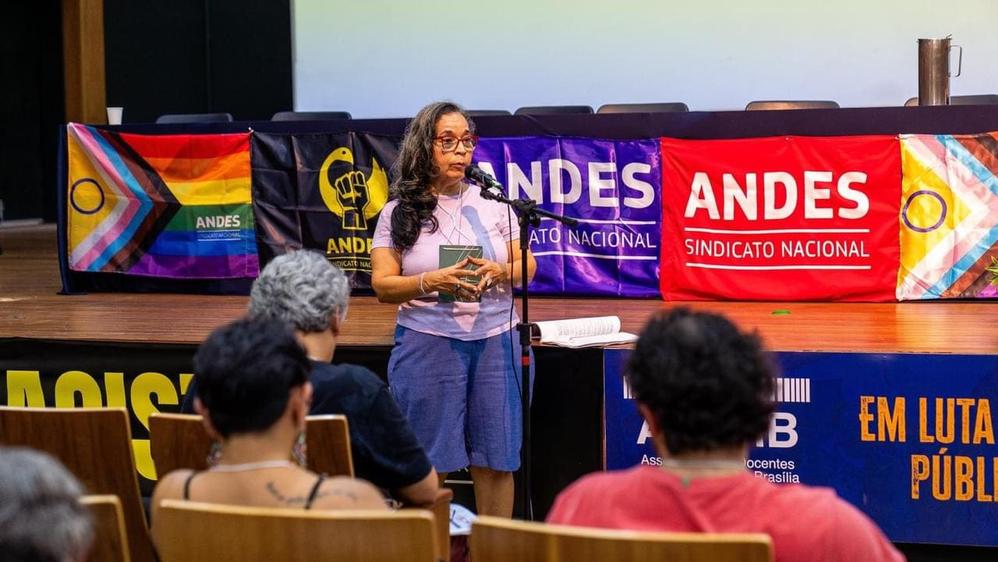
(450, 259)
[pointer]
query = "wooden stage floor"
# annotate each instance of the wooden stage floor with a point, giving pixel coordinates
(30, 308)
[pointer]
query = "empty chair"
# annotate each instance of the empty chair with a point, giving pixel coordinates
(193, 532)
(95, 444)
(978, 99)
(665, 107)
(486, 112)
(503, 540)
(110, 538)
(789, 104)
(310, 115)
(554, 110)
(194, 118)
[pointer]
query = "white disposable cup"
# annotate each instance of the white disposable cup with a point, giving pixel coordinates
(114, 115)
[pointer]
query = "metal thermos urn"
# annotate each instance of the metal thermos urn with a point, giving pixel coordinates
(933, 70)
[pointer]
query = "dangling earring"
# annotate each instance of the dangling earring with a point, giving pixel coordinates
(299, 451)
(214, 454)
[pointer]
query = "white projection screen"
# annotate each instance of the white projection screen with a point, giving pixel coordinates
(387, 58)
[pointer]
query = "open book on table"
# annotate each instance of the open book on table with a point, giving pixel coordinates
(582, 332)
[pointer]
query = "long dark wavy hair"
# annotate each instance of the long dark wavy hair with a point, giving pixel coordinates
(414, 171)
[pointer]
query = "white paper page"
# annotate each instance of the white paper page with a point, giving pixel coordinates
(596, 341)
(565, 332)
(577, 327)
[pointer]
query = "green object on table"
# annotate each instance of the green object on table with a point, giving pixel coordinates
(780, 312)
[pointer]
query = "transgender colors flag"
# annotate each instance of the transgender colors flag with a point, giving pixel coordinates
(166, 205)
(949, 217)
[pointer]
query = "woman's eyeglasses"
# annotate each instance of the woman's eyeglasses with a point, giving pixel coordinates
(449, 144)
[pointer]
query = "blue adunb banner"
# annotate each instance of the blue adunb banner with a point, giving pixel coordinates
(908, 439)
(613, 187)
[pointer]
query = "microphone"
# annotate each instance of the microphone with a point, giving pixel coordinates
(482, 178)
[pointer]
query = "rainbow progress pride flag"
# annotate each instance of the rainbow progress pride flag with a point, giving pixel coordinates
(177, 206)
(949, 216)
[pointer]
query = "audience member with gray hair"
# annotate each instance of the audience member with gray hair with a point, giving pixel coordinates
(41, 518)
(303, 289)
(311, 295)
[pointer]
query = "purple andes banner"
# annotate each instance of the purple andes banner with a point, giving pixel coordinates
(907, 438)
(611, 187)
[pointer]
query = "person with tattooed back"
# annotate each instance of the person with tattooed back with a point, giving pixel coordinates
(254, 393)
(302, 289)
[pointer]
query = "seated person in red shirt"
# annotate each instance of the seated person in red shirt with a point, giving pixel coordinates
(302, 289)
(706, 391)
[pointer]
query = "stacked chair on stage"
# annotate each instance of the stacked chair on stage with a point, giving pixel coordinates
(486, 112)
(503, 540)
(173, 118)
(310, 115)
(554, 110)
(791, 104)
(95, 445)
(180, 441)
(979, 99)
(663, 107)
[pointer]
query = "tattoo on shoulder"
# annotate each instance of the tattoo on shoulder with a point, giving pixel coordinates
(277, 495)
(338, 493)
(300, 500)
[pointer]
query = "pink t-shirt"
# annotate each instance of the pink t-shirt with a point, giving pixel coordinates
(464, 219)
(806, 523)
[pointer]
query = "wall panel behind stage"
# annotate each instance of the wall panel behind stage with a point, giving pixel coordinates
(386, 58)
(31, 107)
(198, 56)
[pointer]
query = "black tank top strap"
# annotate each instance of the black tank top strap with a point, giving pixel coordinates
(187, 484)
(315, 491)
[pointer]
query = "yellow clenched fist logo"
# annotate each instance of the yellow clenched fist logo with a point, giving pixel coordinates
(348, 192)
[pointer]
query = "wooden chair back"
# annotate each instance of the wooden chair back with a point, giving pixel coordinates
(327, 440)
(504, 540)
(180, 441)
(440, 508)
(110, 537)
(195, 532)
(95, 444)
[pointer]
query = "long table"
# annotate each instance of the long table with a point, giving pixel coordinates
(693, 125)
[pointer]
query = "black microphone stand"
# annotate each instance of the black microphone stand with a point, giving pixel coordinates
(528, 215)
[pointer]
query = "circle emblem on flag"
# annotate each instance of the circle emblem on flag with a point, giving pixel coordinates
(86, 196)
(923, 209)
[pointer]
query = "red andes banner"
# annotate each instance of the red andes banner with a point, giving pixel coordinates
(781, 218)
